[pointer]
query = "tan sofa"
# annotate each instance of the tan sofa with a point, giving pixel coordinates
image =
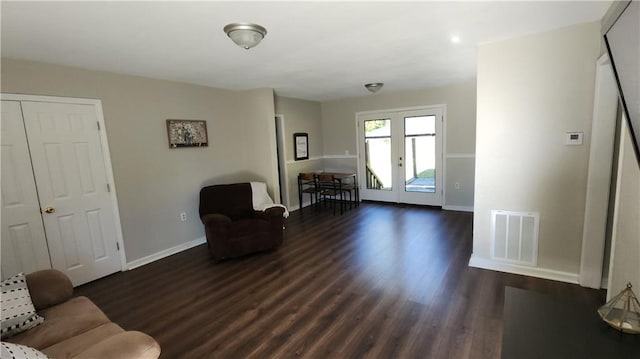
(74, 327)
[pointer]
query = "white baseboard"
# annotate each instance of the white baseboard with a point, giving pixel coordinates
(165, 253)
(528, 271)
(458, 208)
(297, 207)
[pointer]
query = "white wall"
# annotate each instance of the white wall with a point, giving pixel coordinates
(531, 91)
(154, 183)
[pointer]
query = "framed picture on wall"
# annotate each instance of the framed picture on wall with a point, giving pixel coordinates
(187, 133)
(301, 146)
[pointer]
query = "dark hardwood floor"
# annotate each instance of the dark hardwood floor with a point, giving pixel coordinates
(380, 281)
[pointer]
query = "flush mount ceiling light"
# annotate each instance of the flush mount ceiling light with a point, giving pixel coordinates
(374, 87)
(244, 34)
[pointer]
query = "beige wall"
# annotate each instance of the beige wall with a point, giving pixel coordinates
(625, 251)
(154, 183)
(531, 91)
(339, 127)
(300, 116)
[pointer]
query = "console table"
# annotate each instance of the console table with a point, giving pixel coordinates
(542, 326)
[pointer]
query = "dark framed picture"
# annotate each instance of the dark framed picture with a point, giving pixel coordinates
(301, 146)
(187, 133)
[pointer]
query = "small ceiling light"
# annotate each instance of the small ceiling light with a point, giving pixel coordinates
(374, 87)
(455, 39)
(245, 35)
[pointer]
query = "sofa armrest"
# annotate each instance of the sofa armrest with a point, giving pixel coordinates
(49, 287)
(132, 344)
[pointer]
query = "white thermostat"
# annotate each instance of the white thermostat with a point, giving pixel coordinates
(573, 138)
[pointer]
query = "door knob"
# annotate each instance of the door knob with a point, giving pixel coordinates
(49, 210)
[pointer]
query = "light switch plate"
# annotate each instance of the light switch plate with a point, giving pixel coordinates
(573, 138)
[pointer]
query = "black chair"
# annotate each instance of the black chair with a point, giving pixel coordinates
(330, 190)
(307, 184)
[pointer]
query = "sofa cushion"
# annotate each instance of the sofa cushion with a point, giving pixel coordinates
(73, 346)
(18, 312)
(131, 344)
(62, 322)
(17, 351)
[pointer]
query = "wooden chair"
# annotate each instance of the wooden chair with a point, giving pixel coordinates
(307, 184)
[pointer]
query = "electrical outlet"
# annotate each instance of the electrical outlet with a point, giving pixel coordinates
(457, 185)
(183, 216)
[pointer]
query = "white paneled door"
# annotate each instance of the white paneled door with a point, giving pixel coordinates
(24, 246)
(73, 190)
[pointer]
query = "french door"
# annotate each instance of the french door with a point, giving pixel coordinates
(401, 156)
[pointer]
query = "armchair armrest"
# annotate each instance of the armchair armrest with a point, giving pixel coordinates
(215, 219)
(132, 344)
(49, 287)
(277, 212)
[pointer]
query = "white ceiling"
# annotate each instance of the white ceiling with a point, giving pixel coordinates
(315, 51)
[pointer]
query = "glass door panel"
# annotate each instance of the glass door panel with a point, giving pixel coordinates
(377, 147)
(420, 154)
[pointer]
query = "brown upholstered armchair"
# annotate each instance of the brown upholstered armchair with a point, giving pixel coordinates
(233, 228)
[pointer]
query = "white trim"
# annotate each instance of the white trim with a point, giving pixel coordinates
(167, 252)
(305, 204)
(616, 206)
(339, 156)
(544, 273)
(309, 159)
(461, 155)
(281, 144)
(444, 154)
(601, 156)
(273, 144)
(105, 148)
(52, 99)
(400, 109)
(458, 208)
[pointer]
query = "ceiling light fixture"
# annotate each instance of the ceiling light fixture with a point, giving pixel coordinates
(374, 87)
(455, 39)
(244, 34)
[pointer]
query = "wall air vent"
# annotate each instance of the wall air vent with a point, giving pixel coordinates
(514, 237)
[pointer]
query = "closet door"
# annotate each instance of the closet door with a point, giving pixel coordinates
(24, 246)
(70, 174)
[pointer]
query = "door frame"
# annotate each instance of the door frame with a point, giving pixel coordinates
(601, 158)
(97, 105)
(441, 107)
(282, 160)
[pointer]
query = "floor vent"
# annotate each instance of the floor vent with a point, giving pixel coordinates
(514, 237)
